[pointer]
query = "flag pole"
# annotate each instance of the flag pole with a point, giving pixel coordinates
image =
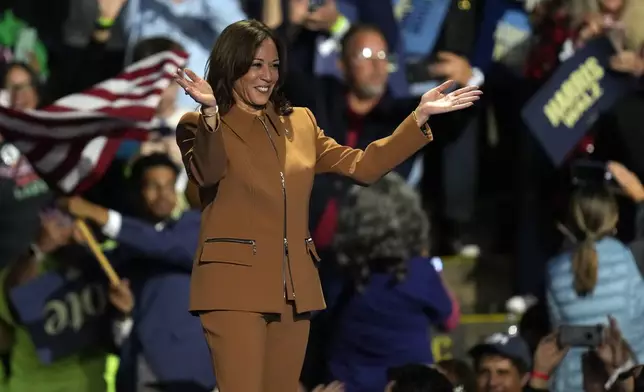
(98, 253)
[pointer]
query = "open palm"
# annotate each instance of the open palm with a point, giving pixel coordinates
(196, 87)
(436, 101)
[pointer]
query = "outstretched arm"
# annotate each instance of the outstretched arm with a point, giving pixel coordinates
(382, 155)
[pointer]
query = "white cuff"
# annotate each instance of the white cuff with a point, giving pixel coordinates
(113, 226)
(477, 79)
(567, 50)
(182, 181)
(121, 330)
(615, 376)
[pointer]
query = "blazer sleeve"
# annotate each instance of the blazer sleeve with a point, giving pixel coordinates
(380, 157)
(202, 148)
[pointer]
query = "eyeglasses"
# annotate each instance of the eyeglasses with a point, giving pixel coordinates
(370, 54)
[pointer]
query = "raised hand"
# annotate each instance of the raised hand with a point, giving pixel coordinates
(435, 101)
(627, 180)
(196, 87)
(121, 297)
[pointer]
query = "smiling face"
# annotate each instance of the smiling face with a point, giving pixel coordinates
(256, 86)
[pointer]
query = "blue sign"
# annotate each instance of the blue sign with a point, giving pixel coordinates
(563, 110)
(421, 24)
(505, 30)
(63, 314)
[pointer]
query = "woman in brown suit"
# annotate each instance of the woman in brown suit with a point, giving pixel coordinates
(253, 156)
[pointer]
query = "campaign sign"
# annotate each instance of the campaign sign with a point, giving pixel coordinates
(563, 110)
(420, 22)
(63, 314)
(504, 36)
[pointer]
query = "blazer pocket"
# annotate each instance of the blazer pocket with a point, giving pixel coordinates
(237, 251)
(310, 247)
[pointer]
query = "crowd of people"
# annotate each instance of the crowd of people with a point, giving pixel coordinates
(484, 186)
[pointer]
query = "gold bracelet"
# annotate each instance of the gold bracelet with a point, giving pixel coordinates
(208, 115)
(424, 128)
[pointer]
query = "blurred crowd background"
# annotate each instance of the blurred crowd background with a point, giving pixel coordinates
(475, 255)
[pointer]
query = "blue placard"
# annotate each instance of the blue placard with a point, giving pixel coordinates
(63, 314)
(505, 28)
(421, 24)
(563, 110)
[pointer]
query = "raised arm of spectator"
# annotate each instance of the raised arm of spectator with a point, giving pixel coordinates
(632, 186)
(88, 60)
(173, 244)
(222, 13)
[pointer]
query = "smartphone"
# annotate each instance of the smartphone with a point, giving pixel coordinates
(581, 336)
(315, 4)
(593, 173)
(437, 263)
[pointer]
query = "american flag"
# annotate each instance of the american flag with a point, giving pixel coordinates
(73, 141)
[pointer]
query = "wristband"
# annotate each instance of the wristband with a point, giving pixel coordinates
(424, 128)
(103, 23)
(340, 26)
(540, 376)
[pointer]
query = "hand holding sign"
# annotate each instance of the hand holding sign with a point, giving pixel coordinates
(561, 112)
(437, 101)
(628, 62)
(593, 27)
(121, 296)
(83, 209)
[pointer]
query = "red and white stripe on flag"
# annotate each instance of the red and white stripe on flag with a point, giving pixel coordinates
(72, 142)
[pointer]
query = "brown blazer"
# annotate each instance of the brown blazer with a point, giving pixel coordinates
(255, 176)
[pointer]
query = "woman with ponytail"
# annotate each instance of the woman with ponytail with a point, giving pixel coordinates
(600, 275)
(393, 292)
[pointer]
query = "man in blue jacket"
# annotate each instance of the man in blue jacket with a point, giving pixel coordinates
(166, 348)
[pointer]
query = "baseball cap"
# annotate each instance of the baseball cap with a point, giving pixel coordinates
(509, 346)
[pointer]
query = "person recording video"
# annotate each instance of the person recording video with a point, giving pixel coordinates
(599, 275)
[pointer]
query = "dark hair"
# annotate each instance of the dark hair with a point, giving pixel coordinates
(418, 378)
(353, 31)
(521, 366)
(232, 57)
(461, 372)
(380, 228)
(142, 164)
(151, 46)
(595, 213)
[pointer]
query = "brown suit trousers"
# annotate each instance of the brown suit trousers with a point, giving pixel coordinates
(254, 352)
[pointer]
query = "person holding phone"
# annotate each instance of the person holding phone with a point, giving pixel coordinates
(599, 275)
(620, 21)
(253, 156)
